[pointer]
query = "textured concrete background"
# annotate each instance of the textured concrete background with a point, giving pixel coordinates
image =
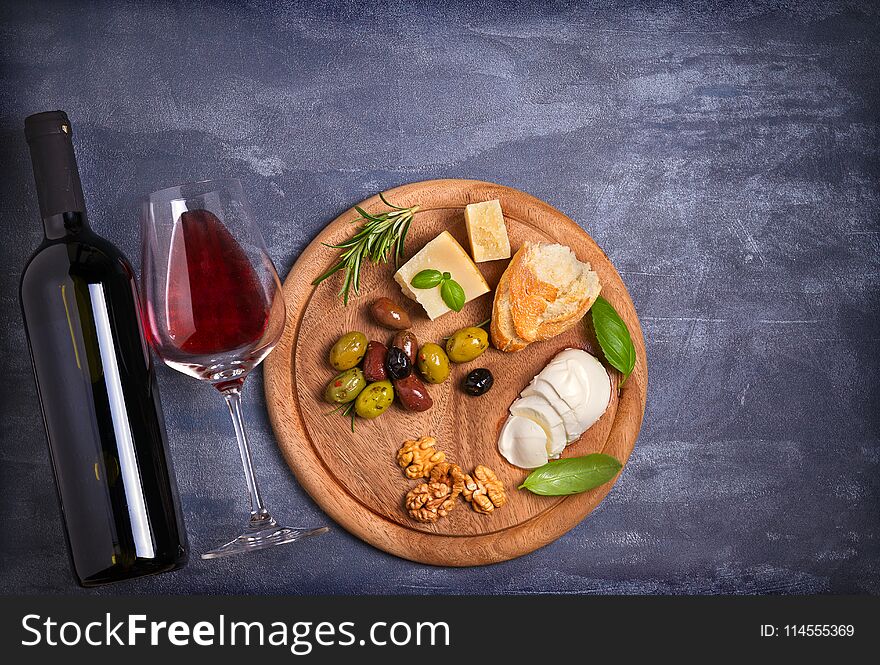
(724, 154)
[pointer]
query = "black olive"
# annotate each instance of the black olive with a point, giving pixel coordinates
(397, 363)
(478, 382)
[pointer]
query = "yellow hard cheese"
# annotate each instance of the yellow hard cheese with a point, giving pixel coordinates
(486, 231)
(443, 253)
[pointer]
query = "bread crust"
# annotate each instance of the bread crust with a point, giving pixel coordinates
(501, 329)
(522, 299)
(552, 327)
(528, 296)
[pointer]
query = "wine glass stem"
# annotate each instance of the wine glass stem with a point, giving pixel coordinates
(259, 513)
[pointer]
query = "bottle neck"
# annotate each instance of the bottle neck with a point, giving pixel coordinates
(65, 224)
(56, 175)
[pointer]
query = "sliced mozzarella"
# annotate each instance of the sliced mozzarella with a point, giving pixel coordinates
(564, 400)
(571, 354)
(539, 409)
(575, 367)
(600, 388)
(570, 419)
(523, 443)
(572, 387)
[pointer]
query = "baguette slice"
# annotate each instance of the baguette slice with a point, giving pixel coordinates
(550, 290)
(544, 292)
(503, 334)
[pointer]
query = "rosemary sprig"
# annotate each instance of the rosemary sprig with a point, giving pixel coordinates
(379, 236)
(347, 410)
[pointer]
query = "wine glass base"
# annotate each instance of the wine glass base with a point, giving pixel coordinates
(259, 538)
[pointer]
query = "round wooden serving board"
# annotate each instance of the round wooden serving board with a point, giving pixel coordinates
(354, 477)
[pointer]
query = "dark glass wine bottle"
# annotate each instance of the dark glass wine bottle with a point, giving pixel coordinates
(95, 380)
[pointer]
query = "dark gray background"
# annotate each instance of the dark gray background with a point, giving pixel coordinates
(724, 154)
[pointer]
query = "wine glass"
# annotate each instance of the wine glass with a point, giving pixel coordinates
(214, 311)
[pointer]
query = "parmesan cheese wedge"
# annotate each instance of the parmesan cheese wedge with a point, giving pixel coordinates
(443, 253)
(486, 231)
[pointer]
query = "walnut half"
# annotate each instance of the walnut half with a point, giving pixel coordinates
(449, 474)
(483, 490)
(428, 502)
(418, 457)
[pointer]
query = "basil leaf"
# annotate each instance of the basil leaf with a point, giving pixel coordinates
(452, 294)
(426, 279)
(572, 475)
(614, 338)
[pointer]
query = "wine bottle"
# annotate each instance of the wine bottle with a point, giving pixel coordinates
(95, 381)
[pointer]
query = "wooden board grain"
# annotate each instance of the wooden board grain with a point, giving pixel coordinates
(353, 476)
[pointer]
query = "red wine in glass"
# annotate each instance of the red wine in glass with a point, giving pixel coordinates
(215, 310)
(215, 301)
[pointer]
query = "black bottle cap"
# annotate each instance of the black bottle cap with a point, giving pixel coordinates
(55, 172)
(46, 123)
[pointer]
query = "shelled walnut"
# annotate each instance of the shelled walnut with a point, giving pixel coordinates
(436, 497)
(449, 474)
(428, 502)
(418, 457)
(483, 490)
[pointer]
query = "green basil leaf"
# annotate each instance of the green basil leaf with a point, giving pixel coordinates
(452, 294)
(572, 475)
(613, 336)
(447, 275)
(426, 279)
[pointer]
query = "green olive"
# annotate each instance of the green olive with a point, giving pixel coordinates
(374, 399)
(467, 344)
(345, 387)
(433, 363)
(348, 350)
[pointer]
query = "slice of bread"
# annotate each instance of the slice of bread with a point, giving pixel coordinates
(501, 329)
(544, 292)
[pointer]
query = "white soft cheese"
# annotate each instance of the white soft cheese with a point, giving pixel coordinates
(563, 401)
(535, 407)
(568, 379)
(570, 418)
(600, 388)
(523, 443)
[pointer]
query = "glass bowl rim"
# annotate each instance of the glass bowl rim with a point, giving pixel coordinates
(166, 191)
